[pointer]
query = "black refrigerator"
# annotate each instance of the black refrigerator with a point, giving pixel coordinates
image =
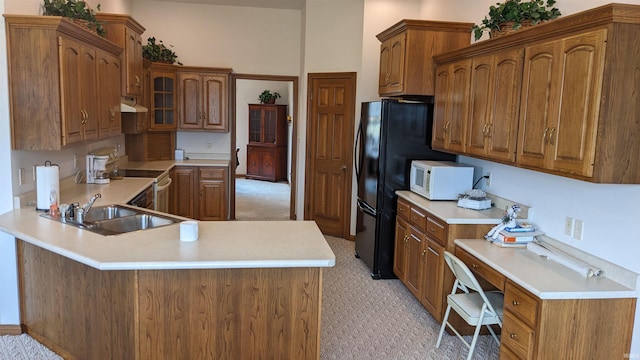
(391, 133)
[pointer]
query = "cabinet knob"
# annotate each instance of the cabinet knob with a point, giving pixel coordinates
(474, 266)
(544, 135)
(424, 252)
(551, 141)
(515, 302)
(137, 80)
(406, 238)
(513, 336)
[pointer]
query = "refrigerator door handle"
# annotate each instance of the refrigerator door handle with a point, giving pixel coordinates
(357, 150)
(366, 208)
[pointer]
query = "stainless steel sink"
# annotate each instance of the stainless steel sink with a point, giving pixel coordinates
(118, 219)
(100, 213)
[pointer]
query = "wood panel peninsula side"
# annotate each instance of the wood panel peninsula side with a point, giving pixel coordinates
(238, 292)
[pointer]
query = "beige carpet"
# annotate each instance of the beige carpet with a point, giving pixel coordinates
(262, 200)
(362, 318)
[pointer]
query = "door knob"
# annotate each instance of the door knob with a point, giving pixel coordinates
(343, 167)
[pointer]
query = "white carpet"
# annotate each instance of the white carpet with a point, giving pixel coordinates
(24, 347)
(262, 200)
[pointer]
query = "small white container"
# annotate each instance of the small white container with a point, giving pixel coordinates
(179, 154)
(474, 204)
(189, 230)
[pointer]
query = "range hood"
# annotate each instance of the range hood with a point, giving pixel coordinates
(129, 105)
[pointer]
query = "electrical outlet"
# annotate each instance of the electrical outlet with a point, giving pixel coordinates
(21, 176)
(209, 145)
(578, 229)
(568, 226)
(487, 180)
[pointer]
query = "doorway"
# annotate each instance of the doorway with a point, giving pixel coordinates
(331, 119)
(243, 87)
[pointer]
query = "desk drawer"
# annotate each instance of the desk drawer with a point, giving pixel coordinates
(403, 209)
(517, 337)
(437, 229)
(481, 269)
(521, 303)
(211, 173)
(418, 218)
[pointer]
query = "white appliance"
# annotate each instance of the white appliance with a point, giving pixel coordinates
(97, 169)
(161, 192)
(440, 180)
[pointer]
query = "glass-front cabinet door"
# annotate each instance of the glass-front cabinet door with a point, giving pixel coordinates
(163, 107)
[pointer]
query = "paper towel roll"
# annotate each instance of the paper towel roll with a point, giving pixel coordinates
(47, 183)
(189, 230)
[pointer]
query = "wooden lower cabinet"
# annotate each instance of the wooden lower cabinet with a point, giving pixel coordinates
(420, 242)
(534, 328)
(84, 313)
(200, 192)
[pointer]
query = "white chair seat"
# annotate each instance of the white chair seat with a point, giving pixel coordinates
(477, 308)
(469, 306)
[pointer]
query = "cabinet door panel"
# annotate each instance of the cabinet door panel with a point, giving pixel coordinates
(503, 126)
(441, 109)
(395, 81)
(133, 60)
(191, 115)
(108, 69)
(89, 93)
(414, 261)
(536, 104)
(267, 164)
(480, 102)
(459, 101)
(184, 192)
(214, 102)
(581, 85)
(400, 245)
(433, 277)
(72, 114)
(212, 200)
(253, 162)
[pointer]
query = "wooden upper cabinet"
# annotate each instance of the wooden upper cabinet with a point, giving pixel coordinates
(163, 90)
(204, 99)
(127, 33)
(562, 86)
(108, 75)
(55, 92)
(406, 51)
(494, 105)
(576, 113)
(451, 106)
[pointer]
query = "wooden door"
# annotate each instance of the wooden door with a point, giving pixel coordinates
(480, 103)
(89, 93)
(456, 127)
(133, 63)
(432, 257)
(414, 261)
(502, 127)
(212, 200)
(537, 103)
(190, 104)
(108, 69)
(440, 110)
(573, 133)
(184, 192)
(400, 249)
(214, 102)
(72, 113)
(331, 120)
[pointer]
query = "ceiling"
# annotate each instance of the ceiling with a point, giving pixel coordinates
(275, 4)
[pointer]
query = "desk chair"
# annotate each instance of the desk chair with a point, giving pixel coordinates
(476, 308)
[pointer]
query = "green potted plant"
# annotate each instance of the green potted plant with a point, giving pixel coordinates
(267, 97)
(158, 52)
(514, 14)
(77, 10)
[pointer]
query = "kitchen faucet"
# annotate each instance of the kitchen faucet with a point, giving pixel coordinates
(77, 212)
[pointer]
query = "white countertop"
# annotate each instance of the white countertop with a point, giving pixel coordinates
(168, 164)
(221, 244)
(449, 211)
(544, 278)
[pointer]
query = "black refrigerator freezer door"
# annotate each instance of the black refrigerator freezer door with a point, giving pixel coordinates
(366, 236)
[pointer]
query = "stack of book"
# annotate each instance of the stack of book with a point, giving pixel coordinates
(517, 236)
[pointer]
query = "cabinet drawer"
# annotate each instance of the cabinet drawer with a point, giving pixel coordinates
(211, 173)
(506, 354)
(520, 303)
(418, 218)
(483, 270)
(517, 337)
(403, 209)
(437, 229)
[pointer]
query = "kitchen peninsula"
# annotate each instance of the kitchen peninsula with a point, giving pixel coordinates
(240, 291)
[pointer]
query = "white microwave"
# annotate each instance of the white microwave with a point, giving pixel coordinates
(440, 180)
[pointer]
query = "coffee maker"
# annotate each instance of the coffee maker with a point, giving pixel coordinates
(97, 169)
